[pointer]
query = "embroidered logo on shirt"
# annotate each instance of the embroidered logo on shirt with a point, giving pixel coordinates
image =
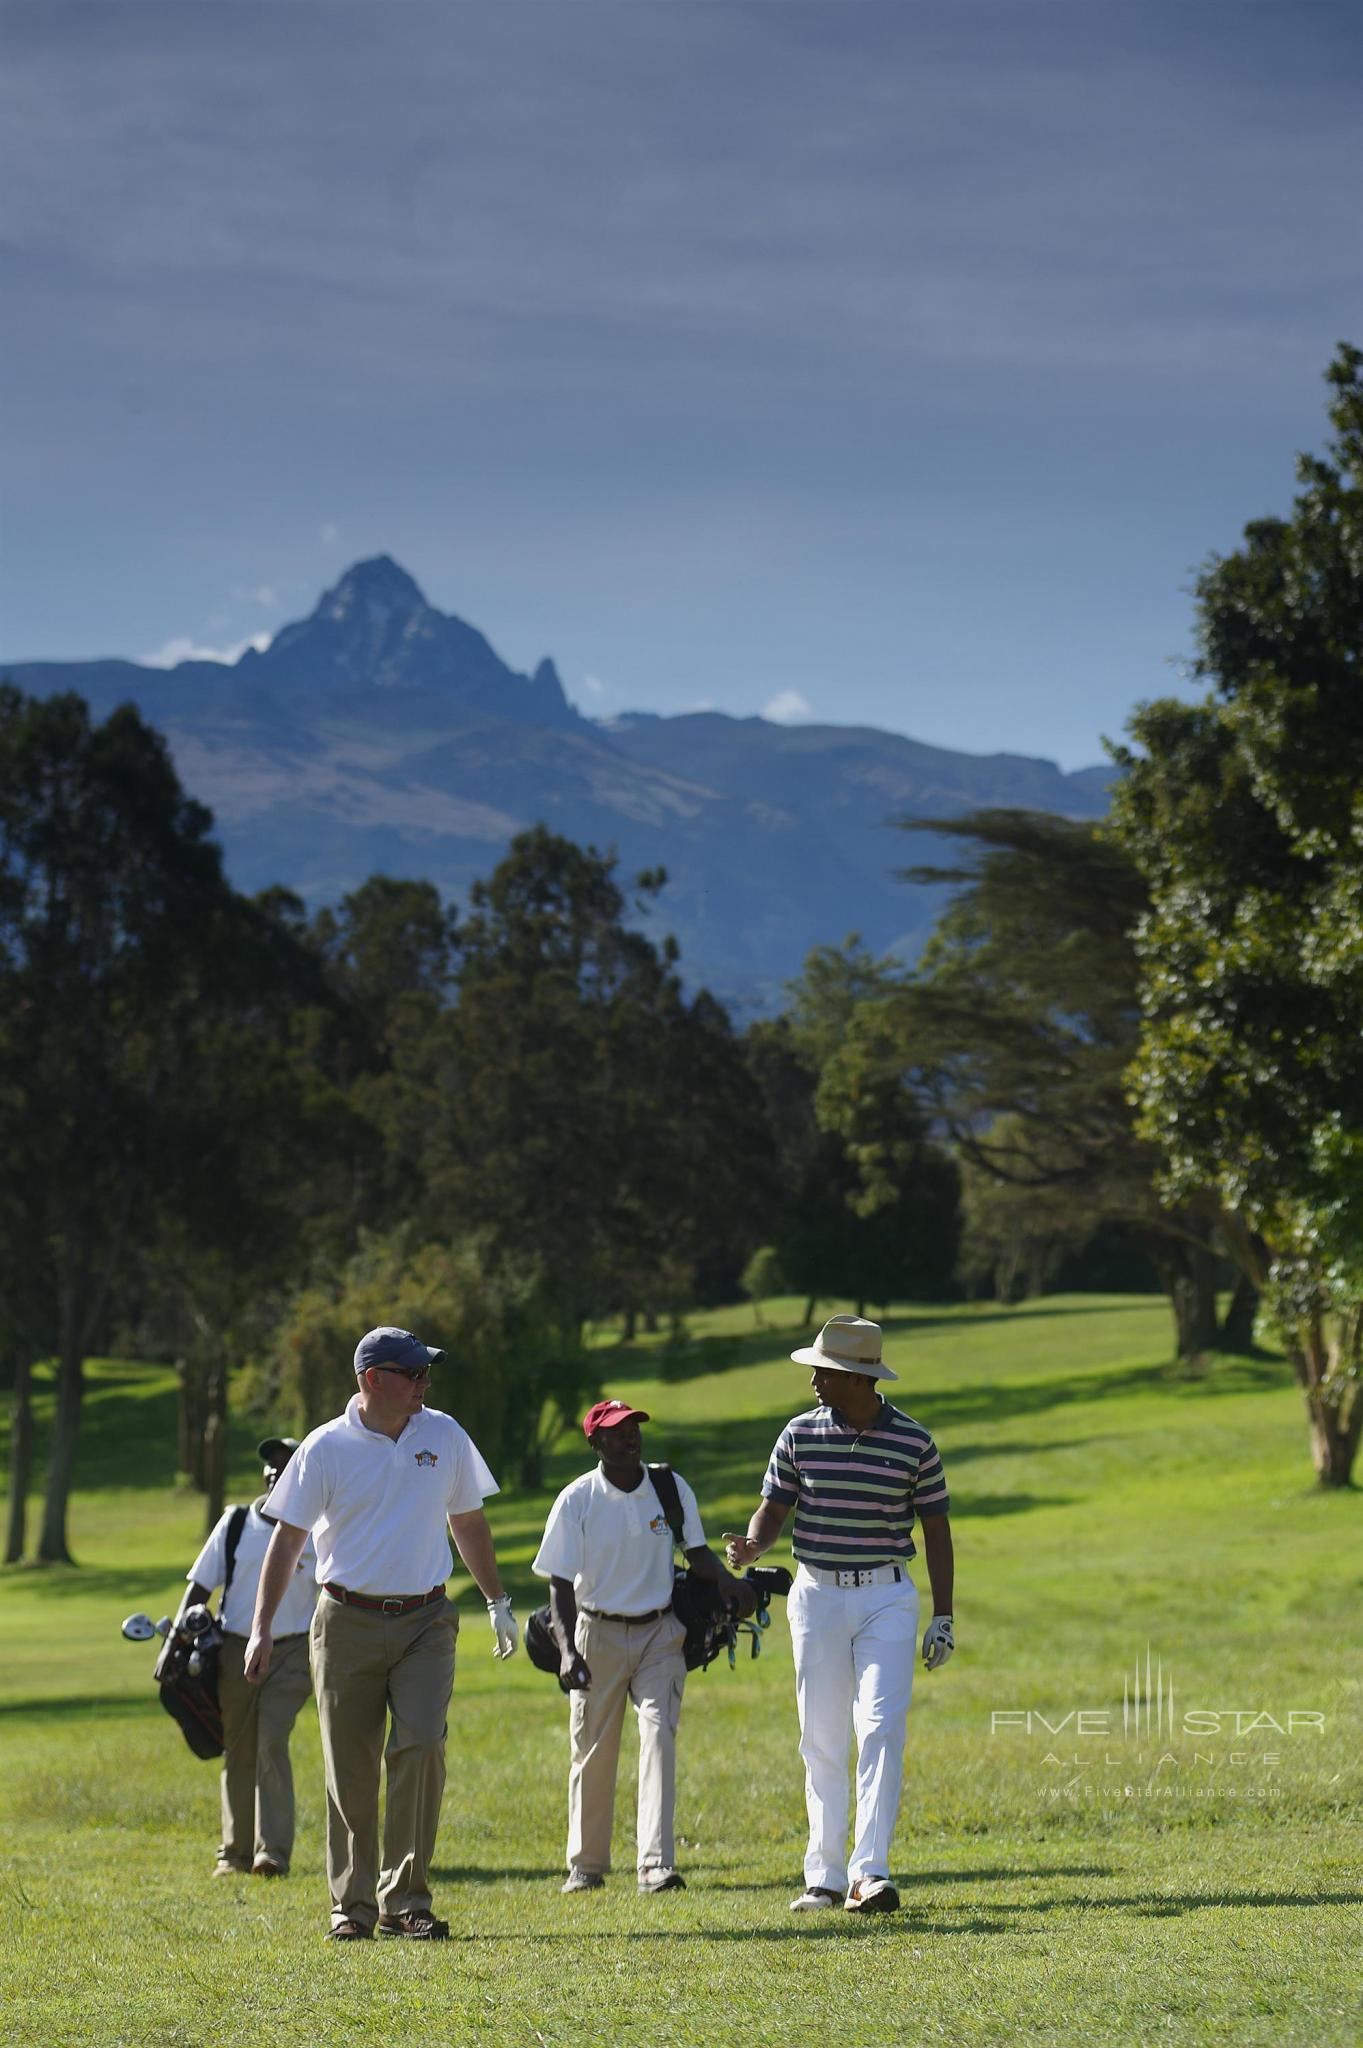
(658, 1522)
(425, 1457)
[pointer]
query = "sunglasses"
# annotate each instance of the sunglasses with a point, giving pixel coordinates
(408, 1372)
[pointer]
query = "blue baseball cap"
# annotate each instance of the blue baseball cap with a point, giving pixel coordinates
(388, 1346)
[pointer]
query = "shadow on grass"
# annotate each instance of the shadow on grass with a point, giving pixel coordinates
(1152, 1905)
(121, 1588)
(129, 1436)
(96, 1706)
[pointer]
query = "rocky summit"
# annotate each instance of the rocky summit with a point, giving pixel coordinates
(382, 735)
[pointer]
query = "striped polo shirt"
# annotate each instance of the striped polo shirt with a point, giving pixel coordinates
(855, 1496)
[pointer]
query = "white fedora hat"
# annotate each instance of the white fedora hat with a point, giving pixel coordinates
(847, 1344)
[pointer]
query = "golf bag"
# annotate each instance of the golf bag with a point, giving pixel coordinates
(187, 1669)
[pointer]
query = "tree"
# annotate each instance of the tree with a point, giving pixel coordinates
(111, 903)
(1244, 813)
(836, 1237)
(1020, 1022)
(585, 1118)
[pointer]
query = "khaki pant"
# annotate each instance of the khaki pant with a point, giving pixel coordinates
(641, 1662)
(366, 1668)
(257, 1777)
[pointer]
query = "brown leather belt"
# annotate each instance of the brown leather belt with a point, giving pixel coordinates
(654, 1614)
(392, 1603)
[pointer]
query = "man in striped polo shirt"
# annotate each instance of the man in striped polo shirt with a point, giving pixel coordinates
(857, 1472)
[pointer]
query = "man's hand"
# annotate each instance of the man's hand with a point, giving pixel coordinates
(938, 1641)
(740, 1550)
(743, 1598)
(573, 1674)
(258, 1655)
(504, 1626)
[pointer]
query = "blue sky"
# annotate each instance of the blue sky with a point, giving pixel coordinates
(864, 360)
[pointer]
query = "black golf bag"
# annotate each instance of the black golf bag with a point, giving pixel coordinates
(187, 1669)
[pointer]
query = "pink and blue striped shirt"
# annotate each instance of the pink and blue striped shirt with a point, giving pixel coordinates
(855, 1496)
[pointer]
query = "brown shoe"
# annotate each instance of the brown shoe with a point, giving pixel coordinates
(265, 1866)
(349, 1930)
(414, 1926)
(872, 1895)
(225, 1867)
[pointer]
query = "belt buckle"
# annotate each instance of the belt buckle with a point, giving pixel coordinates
(394, 1605)
(849, 1576)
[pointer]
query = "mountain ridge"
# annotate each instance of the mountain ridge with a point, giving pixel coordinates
(380, 734)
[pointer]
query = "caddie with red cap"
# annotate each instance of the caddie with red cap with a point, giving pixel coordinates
(607, 1554)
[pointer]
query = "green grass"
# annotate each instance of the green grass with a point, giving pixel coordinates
(1101, 1503)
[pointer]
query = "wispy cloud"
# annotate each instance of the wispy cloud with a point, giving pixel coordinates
(331, 534)
(594, 686)
(788, 707)
(183, 648)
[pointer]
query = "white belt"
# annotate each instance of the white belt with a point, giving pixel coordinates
(867, 1575)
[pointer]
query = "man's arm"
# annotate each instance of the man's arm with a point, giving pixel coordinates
(473, 1541)
(763, 1530)
(276, 1576)
(572, 1669)
(936, 1533)
(939, 1637)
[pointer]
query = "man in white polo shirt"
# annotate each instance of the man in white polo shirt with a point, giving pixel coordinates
(378, 1488)
(257, 1720)
(607, 1554)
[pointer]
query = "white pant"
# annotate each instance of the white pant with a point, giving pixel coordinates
(854, 1657)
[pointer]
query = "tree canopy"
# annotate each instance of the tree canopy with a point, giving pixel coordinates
(1244, 813)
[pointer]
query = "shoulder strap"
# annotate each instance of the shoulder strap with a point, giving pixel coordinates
(234, 1529)
(665, 1486)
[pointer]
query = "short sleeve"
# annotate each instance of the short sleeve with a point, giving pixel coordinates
(299, 1495)
(210, 1566)
(930, 1495)
(782, 1481)
(693, 1535)
(470, 1480)
(560, 1553)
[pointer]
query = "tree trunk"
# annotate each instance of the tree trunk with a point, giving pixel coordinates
(1237, 1328)
(191, 1419)
(215, 1444)
(1335, 1430)
(20, 1460)
(61, 1464)
(808, 1317)
(1189, 1277)
(630, 1329)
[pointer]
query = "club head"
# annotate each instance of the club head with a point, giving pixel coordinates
(139, 1628)
(195, 1620)
(164, 1626)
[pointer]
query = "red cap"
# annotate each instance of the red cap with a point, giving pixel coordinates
(606, 1414)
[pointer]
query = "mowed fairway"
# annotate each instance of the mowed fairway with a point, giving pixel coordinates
(1128, 1887)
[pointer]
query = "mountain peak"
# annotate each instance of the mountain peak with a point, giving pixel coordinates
(377, 585)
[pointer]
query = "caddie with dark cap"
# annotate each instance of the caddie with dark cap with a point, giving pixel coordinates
(858, 1473)
(379, 1488)
(607, 1554)
(257, 1720)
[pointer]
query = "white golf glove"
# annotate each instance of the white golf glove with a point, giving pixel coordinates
(504, 1626)
(938, 1641)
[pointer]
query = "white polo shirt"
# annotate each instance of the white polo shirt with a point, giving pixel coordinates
(615, 1547)
(377, 1506)
(238, 1609)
